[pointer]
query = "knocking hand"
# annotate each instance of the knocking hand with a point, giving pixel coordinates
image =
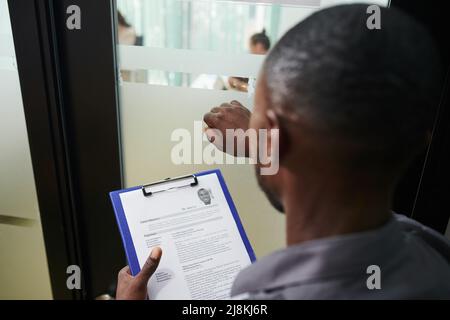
(231, 115)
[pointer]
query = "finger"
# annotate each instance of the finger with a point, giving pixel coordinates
(216, 110)
(211, 119)
(150, 265)
(226, 105)
(215, 136)
(125, 271)
(236, 103)
(210, 134)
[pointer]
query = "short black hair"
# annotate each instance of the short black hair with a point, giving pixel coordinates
(373, 88)
(261, 38)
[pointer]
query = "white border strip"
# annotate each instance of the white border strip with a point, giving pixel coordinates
(189, 61)
(300, 3)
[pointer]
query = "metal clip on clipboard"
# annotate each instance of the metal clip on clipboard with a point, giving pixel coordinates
(169, 184)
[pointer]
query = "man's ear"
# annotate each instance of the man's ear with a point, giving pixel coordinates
(282, 136)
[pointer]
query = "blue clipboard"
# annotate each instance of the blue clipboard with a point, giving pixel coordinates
(127, 240)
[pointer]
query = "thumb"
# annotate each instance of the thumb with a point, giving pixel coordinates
(150, 265)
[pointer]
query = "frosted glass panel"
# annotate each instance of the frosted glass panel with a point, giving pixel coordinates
(17, 191)
(23, 262)
(151, 113)
(177, 43)
(189, 61)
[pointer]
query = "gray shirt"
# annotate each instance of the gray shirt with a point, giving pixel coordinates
(413, 260)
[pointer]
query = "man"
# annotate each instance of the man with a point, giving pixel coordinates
(204, 196)
(353, 107)
(259, 44)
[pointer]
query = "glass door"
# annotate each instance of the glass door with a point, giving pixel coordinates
(177, 60)
(101, 107)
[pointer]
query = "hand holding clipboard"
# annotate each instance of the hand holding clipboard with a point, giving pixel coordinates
(204, 243)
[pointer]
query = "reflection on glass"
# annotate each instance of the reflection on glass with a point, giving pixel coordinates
(259, 43)
(224, 27)
(200, 25)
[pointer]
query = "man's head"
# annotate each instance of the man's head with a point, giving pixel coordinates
(204, 196)
(346, 98)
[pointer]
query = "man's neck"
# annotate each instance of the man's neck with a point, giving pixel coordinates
(325, 207)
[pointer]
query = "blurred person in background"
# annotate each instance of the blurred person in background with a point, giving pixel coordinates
(259, 44)
(126, 32)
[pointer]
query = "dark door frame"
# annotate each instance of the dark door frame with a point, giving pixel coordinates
(423, 193)
(69, 82)
(69, 91)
